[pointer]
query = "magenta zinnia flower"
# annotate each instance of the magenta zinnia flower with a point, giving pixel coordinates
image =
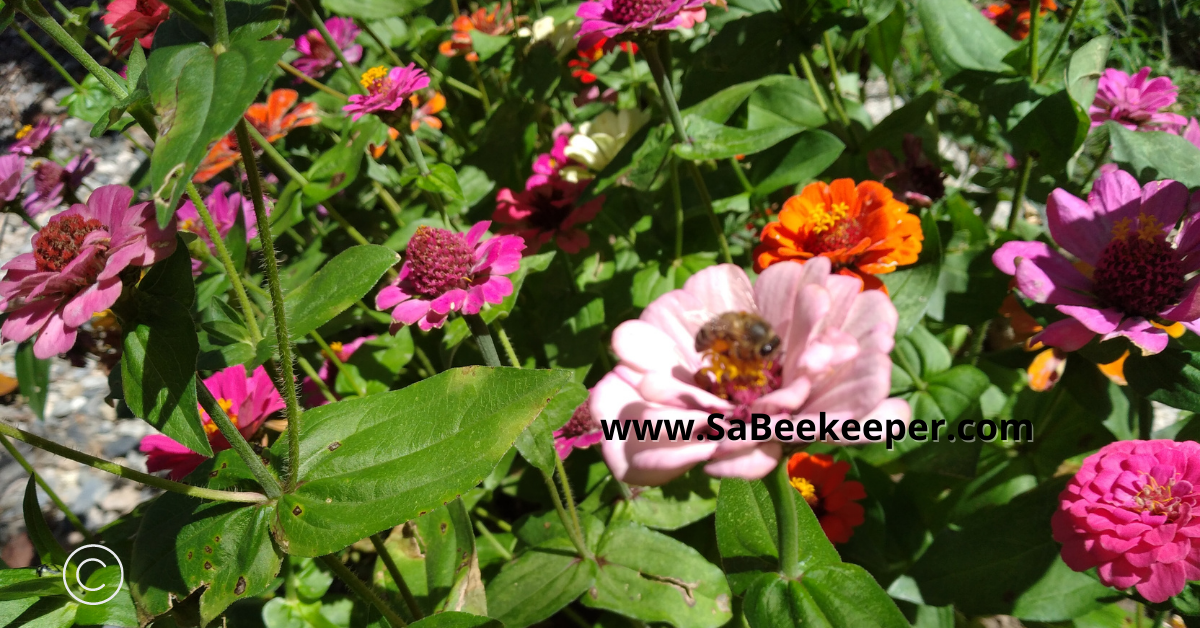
(327, 372)
(31, 136)
(316, 57)
(75, 267)
(616, 20)
(446, 272)
(52, 182)
(1128, 512)
(247, 400)
(1139, 273)
(224, 205)
(12, 177)
(387, 90)
(581, 432)
(830, 356)
(1191, 132)
(550, 210)
(1136, 103)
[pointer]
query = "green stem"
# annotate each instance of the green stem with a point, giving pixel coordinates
(483, 95)
(449, 80)
(418, 155)
(397, 577)
(236, 441)
(497, 521)
(813, 85)
(390, 202)
(290, 69)
(312, 374)
(487, 534)
(783, 496)
(508, 348)
(314, 18)
(337, 362)
(220, 26)
(362, 590)
(424, 359)
(231, 269)
(1035, 21)
(483, 337)
(387, 50)
(1018, 201)
(275, 156)
(568, 497)
(281, 325)
(130, 474)
(741, 175)
(572, 532)
(677, 199)
(38, 15)
(836, 76)
(45, 55)
(37, 477)
(1065, 34)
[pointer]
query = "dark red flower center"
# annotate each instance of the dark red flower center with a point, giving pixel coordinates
(1139, 272)
(630, 11)
(581, 422)
(46, 176)
(440, 260)
(60, 240)
(551, 205)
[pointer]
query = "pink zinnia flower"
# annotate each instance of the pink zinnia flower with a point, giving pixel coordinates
(614, 19)
(224, 205)
(74, 269)
(446, 272)
(316, 57)
(387, 90)
(824, 346)
(1139, 272)
(1136, 103)
(247, 400)
(581, 432)
(52, 182)
(328, 372)
(12, 177)
(1128, 512)
(31, 136)
(1191, 132)
(550, 210)
(134, 19)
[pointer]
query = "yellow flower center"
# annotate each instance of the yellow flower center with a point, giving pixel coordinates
(336, 347)
(824, 220)
(1148, 229)
(187, 225)
(25, 130)
(1157, 498)
(806, 488)
(373, 77)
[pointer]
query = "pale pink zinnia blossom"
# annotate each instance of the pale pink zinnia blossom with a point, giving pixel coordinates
(316, 57)
(12, 177)
(75, 267)
(248, 401)
(581, 432)
(1140, 273)
(831, 358)
(1128, 512)
(617, 20)
(135, 20)
(327, 372)
(387, 90)
(1136, 103)
(31, 136)
(446, 272)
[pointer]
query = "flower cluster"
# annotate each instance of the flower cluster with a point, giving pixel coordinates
(499, 21)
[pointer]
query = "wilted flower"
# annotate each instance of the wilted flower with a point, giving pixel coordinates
(549, 210)
(498, 21)
(612, 19)
(1128, 512)
(425, 111)
(1137, 274)
(52, 182)
(12, 177)
(822, 347)
(1135, 102)
(387, 90)
(74, 269)
(31, 136)
(248, 401)
(861, 229)
(1002, 16)
(328, 372)
(600, 139)
(316, 57)
(581, 432)
(446, 272)
(134, 20)
(918, 182)
(834, 500)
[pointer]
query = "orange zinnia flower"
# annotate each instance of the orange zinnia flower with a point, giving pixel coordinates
(223, 154)
(834, 500)
(1002, 16)
(496, 22)
(274, 119)
(862, 229)
(426, 112)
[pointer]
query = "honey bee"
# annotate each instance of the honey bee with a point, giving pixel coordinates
(741, 336)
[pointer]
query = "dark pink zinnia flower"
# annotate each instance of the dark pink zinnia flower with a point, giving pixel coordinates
(581, 432)
(75, 267)
(1128, 512)
(52, 182)
(1135, 102)
(12, 177)
(328, 373)
(316, 57)
(134, 19)
(31, 136)
(550, 210)
(387, 90)
(614, 19)
(446, 272)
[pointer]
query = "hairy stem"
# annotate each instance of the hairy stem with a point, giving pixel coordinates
(508, 348)
(220, 26)
(572, 531)
(435, 198)
(362, 590)
(236, 441)
(231, 269)
(567, 496)
(397, 577)
(783, 496)
(46, 55)
(290, 69)
(62, 506)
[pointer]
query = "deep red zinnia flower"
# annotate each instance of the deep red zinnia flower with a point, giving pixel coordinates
(834, 499)
(134, 19)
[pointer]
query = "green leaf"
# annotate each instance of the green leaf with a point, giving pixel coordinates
(33, 375)
(536, 585)
(536, 443)
(55, 612)
(48, 549)
(201, 96)
(91, 101)
(456, 330)
(374, 9)
(649, 576)
(683, 501)
(961, 39)
(1152, 155)
(17, 584)
(118, 611)
(451, 619)
(721, 105)
(1084, 70)
(1171, 377)
(838, 596)
(883, 40)
(783, 101)
(487, 45)
(1053, 130)
(795, 161)
(374, 462)
(452, 573)
(338, 167)
(891, 130)
(912, 286)
(185, 544)
(717, 141)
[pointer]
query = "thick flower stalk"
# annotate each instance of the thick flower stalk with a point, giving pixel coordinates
(822, 483)
(800, 342)
(247, 401)
(1136, 102)
(1135, 265)
(1128, 513)
(387, 90)
(31, 137)
(134, 20)
(445, 272)
(76, 266)
(316, 57)
(862, 230)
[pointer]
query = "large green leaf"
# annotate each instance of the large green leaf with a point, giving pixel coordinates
(1052, 130)
(912, 286)
(883, 39)
(374, 9)
(338, 167)
(794, 161)
(649, 576)
(961, 39)
(783, 100)
(536, 585)
(1171, 377)
(185, 544)
(711, 140)
(1084, 70)
(837, 596)
(683, 501)
(374, 462)
(200, 95)
(117, 611)
(1152, 155)
(33, 376)
(536, 443)
(48, 549)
